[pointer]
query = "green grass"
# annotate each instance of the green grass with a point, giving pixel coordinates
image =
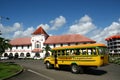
(8, 69)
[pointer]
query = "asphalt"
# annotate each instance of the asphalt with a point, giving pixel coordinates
(28, 75)
(36, 70)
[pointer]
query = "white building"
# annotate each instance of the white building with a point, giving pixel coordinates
(113, 43)
(33, 47)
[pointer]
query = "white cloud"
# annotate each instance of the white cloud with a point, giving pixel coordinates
(57, 23)
(83, 26)
(85, 18)
(8, 29)
(113, 29)
(46, 27)
(25, 33)
(15, 31)
(54, 24)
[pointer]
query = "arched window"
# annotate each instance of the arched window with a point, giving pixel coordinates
(37, 45)
(28, 55)
(5, 55)
(16, 55)
(22, 55)
(10, 55)
(37, 54)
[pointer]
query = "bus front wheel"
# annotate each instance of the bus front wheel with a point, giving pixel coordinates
(48, 65)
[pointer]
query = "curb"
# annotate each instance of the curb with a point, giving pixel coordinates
(15, 74)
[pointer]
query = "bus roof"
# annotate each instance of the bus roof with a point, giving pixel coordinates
(80, 46)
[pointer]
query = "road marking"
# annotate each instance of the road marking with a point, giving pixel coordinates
(40, 74)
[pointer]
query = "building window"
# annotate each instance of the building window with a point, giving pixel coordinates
(37, 54)
(68, 44)
(54, 45)
(37, 45)
(16, 47)
(5, 55)
(16, 55)
(61, 44)
(28, 46)
(22, 55)
(10, 55)
(76, 43)
(22, 47)
(28, 55)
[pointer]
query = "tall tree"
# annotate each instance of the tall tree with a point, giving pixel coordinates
(4, 44)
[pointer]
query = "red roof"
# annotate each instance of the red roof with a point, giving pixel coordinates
(21, 41)
(39, 31)
(71, 38)
(117, 36)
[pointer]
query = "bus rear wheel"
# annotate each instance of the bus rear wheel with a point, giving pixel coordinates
(76, 69)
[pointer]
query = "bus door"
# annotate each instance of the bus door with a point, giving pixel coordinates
(56, 60)
(104, 55)
(55, 56)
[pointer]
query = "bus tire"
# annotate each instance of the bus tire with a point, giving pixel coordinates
(49, 65)
(75, 68)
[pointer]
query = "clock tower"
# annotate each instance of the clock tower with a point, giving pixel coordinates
(38, 38)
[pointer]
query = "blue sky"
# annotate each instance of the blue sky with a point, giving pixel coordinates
(96, 19)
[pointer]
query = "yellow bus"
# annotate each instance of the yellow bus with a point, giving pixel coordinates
(78, 57)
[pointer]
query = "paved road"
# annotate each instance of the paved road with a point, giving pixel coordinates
(35, 70)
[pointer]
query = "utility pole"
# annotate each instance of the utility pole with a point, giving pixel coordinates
(1, 18)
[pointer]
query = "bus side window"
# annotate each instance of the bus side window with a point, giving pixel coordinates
(84, 51)
(58, 52)
(94, 51)
(72, 52)
(89, 51)
(78, 52)
(63, 52)
(53, 53)
(67, 52)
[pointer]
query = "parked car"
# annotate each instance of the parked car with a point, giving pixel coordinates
(4, 57)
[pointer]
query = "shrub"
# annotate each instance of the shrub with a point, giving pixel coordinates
(115, 60)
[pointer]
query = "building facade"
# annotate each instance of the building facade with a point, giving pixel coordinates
(113, 43)
(34, 46)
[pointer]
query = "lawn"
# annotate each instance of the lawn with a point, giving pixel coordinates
(8, 69)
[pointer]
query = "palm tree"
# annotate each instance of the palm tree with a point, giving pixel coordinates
(4, 44)
(47, 48)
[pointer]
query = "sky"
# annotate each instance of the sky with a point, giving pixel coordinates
(95, 19)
